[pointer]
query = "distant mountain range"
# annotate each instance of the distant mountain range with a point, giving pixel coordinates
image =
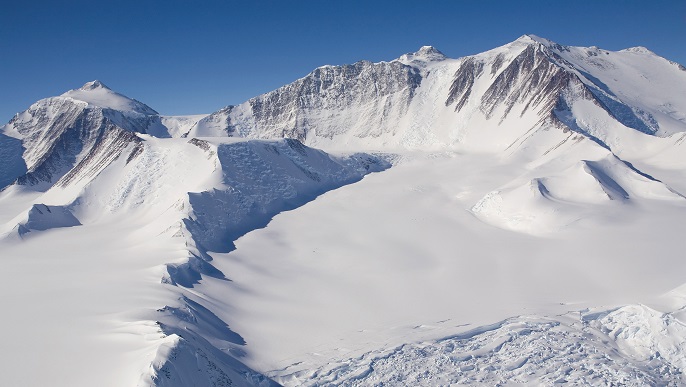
(589, 135)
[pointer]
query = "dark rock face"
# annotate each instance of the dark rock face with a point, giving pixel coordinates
(461, 89)
(317, 101)
(532, 79)
(63, 139)
(497, 63)
(383, 101)
(286, 112)
(47, 123)
(103, 151)
(539, 79)
(398, 103)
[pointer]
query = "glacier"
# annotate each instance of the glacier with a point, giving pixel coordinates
(512, 216)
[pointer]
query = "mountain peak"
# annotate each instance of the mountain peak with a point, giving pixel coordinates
(531, 38)
(424, 54)
(92, 85)
(428, 51)
(638, 49)
(97, 94)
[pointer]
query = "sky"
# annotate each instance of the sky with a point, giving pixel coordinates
(192, 57)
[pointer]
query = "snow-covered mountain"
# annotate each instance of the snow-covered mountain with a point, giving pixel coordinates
(491, 218)
(490, 101)
(91, 157)
(57, 134)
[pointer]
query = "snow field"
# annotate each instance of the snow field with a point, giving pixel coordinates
(528, 231)
(350, 274)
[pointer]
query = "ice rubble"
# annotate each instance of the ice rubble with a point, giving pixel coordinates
(534, 137)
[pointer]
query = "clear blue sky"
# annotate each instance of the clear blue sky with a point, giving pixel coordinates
(190, 57)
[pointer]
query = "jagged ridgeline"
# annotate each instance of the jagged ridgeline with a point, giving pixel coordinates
(424, 99)
(487, 101)
(566, 137)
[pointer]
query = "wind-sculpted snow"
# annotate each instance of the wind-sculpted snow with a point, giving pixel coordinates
(548, 204)
(194, 362)
(261, 179)
(631, 346)
(199, 349)
(534, 180)
(42, 217)
(197, 196)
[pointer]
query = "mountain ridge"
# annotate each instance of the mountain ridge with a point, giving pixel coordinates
(295, 118)
(247, 238)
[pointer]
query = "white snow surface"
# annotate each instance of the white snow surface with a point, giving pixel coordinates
(133, 247)
(431, 270)
(573, 348)
(514, 217)
(180, 125)
(97, 94)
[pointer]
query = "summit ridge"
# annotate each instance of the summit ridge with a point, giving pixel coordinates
(513, 215)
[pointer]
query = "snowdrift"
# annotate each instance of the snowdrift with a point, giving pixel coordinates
(260, 245)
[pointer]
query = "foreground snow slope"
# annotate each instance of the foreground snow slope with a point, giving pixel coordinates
(554, 143)
(526, 227)
(350, 274)
(100, 268)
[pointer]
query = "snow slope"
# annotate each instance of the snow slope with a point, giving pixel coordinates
(524, 226)
(432, 270)
(120, 243)
(179, 126)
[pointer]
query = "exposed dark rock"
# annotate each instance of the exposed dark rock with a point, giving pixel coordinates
(461, 89)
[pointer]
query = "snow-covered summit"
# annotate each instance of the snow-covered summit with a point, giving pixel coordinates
(536, 39)
(638, 50)
(94, 85)
(523, 41)
(556, 152)
(422, 99)
(55, 135)
(97, 94)
(424, 55)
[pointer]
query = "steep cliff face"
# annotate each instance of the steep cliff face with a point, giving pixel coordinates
(424, 99)
(92, 124)
(540, 146)
(331, 100)
(530, 80)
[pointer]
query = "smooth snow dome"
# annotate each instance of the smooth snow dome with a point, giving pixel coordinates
(97, 94)
(511, 217)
